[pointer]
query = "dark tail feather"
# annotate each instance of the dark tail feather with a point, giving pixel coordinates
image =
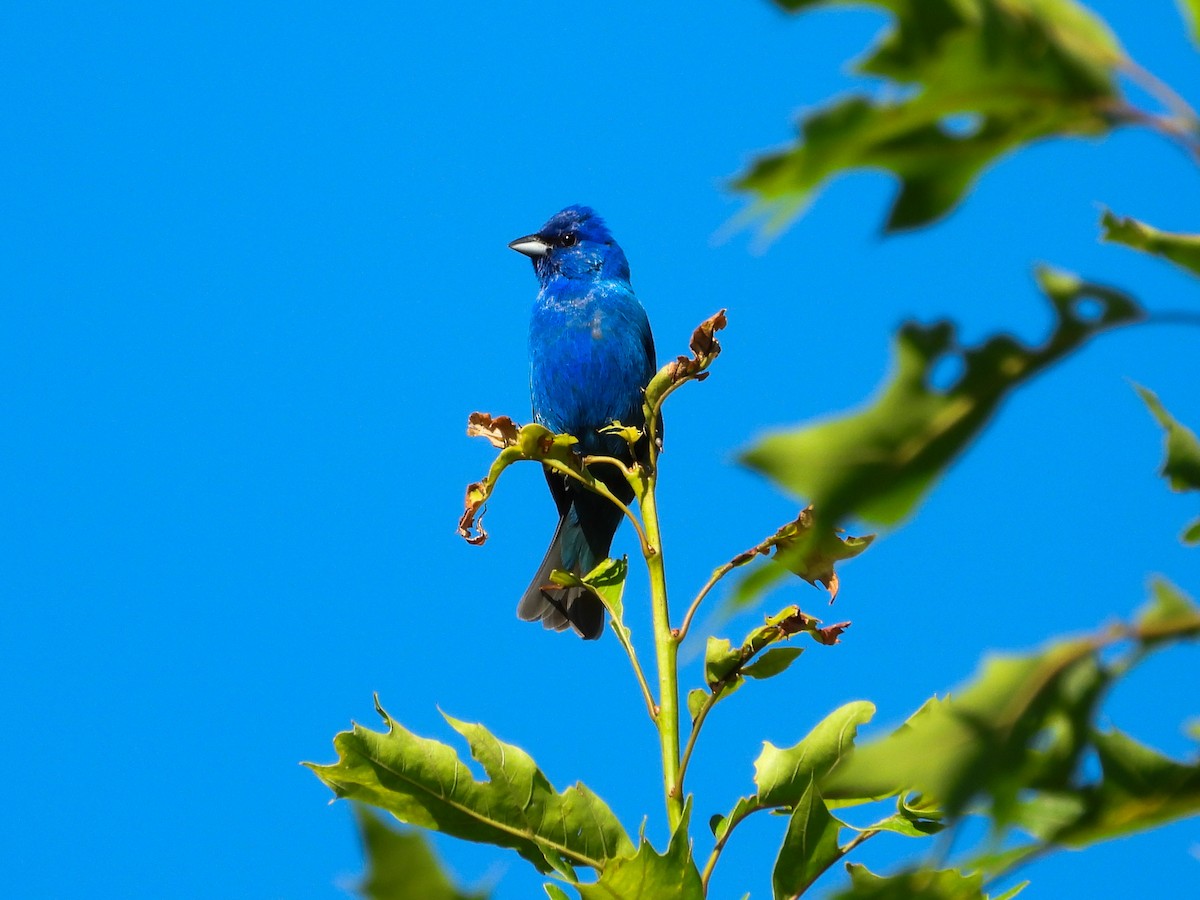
(559, 607)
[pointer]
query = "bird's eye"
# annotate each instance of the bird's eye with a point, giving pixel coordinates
(567, 240)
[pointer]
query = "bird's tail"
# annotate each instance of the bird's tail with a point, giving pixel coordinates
(559, 607)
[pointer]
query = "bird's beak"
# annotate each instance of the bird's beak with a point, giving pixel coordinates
(531, 245)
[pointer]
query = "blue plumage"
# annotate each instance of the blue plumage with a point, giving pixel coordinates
(591, 355)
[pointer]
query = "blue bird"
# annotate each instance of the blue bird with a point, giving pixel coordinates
(591, 356)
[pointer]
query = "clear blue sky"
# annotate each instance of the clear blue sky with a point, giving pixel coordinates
(254, 278)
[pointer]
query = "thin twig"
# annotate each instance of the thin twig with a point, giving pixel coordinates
(590, 460)
(623, 637)
(709, 702)
(718, 573)
(599, 487)
(1182, 133)
(842, 853)
(720, 845)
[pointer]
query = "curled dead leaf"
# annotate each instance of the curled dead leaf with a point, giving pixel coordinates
(829, 635)
(470, 525)
(705, 348)
(501, 431)
(792, 621)
(812, 553)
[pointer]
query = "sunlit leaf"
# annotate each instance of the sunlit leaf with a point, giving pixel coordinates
(1181, 249)
(922, 884)
(721, 659)
(401, 865)
(554, 892)
(971, 80)
(783, 775)
(810, 845)
(877, 463)
(422, 782)
(647, 875)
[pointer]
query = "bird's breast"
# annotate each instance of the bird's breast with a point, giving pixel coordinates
(588, 360)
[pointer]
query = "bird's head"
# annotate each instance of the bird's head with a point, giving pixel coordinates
(574, 243)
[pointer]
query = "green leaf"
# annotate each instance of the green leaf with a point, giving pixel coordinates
(607, 580)
(782, 776)
(810, 845)
(422, 782)
(1017, 71)
(721, 659)
(646, 875)
(1169, 615)
(1182, 465)
(401, 865)
(719, 825)
(696, 698)
(877, 463)
(554, 892)
(772, 662)
(1181, 249)
(921, 884)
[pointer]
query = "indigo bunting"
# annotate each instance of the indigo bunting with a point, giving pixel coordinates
(591, 356)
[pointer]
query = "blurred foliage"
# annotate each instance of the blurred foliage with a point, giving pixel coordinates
(1181, 249)
(1191, 12)
(878, 463)
(923, 884)
(965, 81)
(401, 865)
(1181, 468)
(1013, 743)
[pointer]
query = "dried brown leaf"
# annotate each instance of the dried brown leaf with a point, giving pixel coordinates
(501, 431)
(470, 525)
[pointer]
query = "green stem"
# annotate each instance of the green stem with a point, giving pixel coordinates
(666, 648)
